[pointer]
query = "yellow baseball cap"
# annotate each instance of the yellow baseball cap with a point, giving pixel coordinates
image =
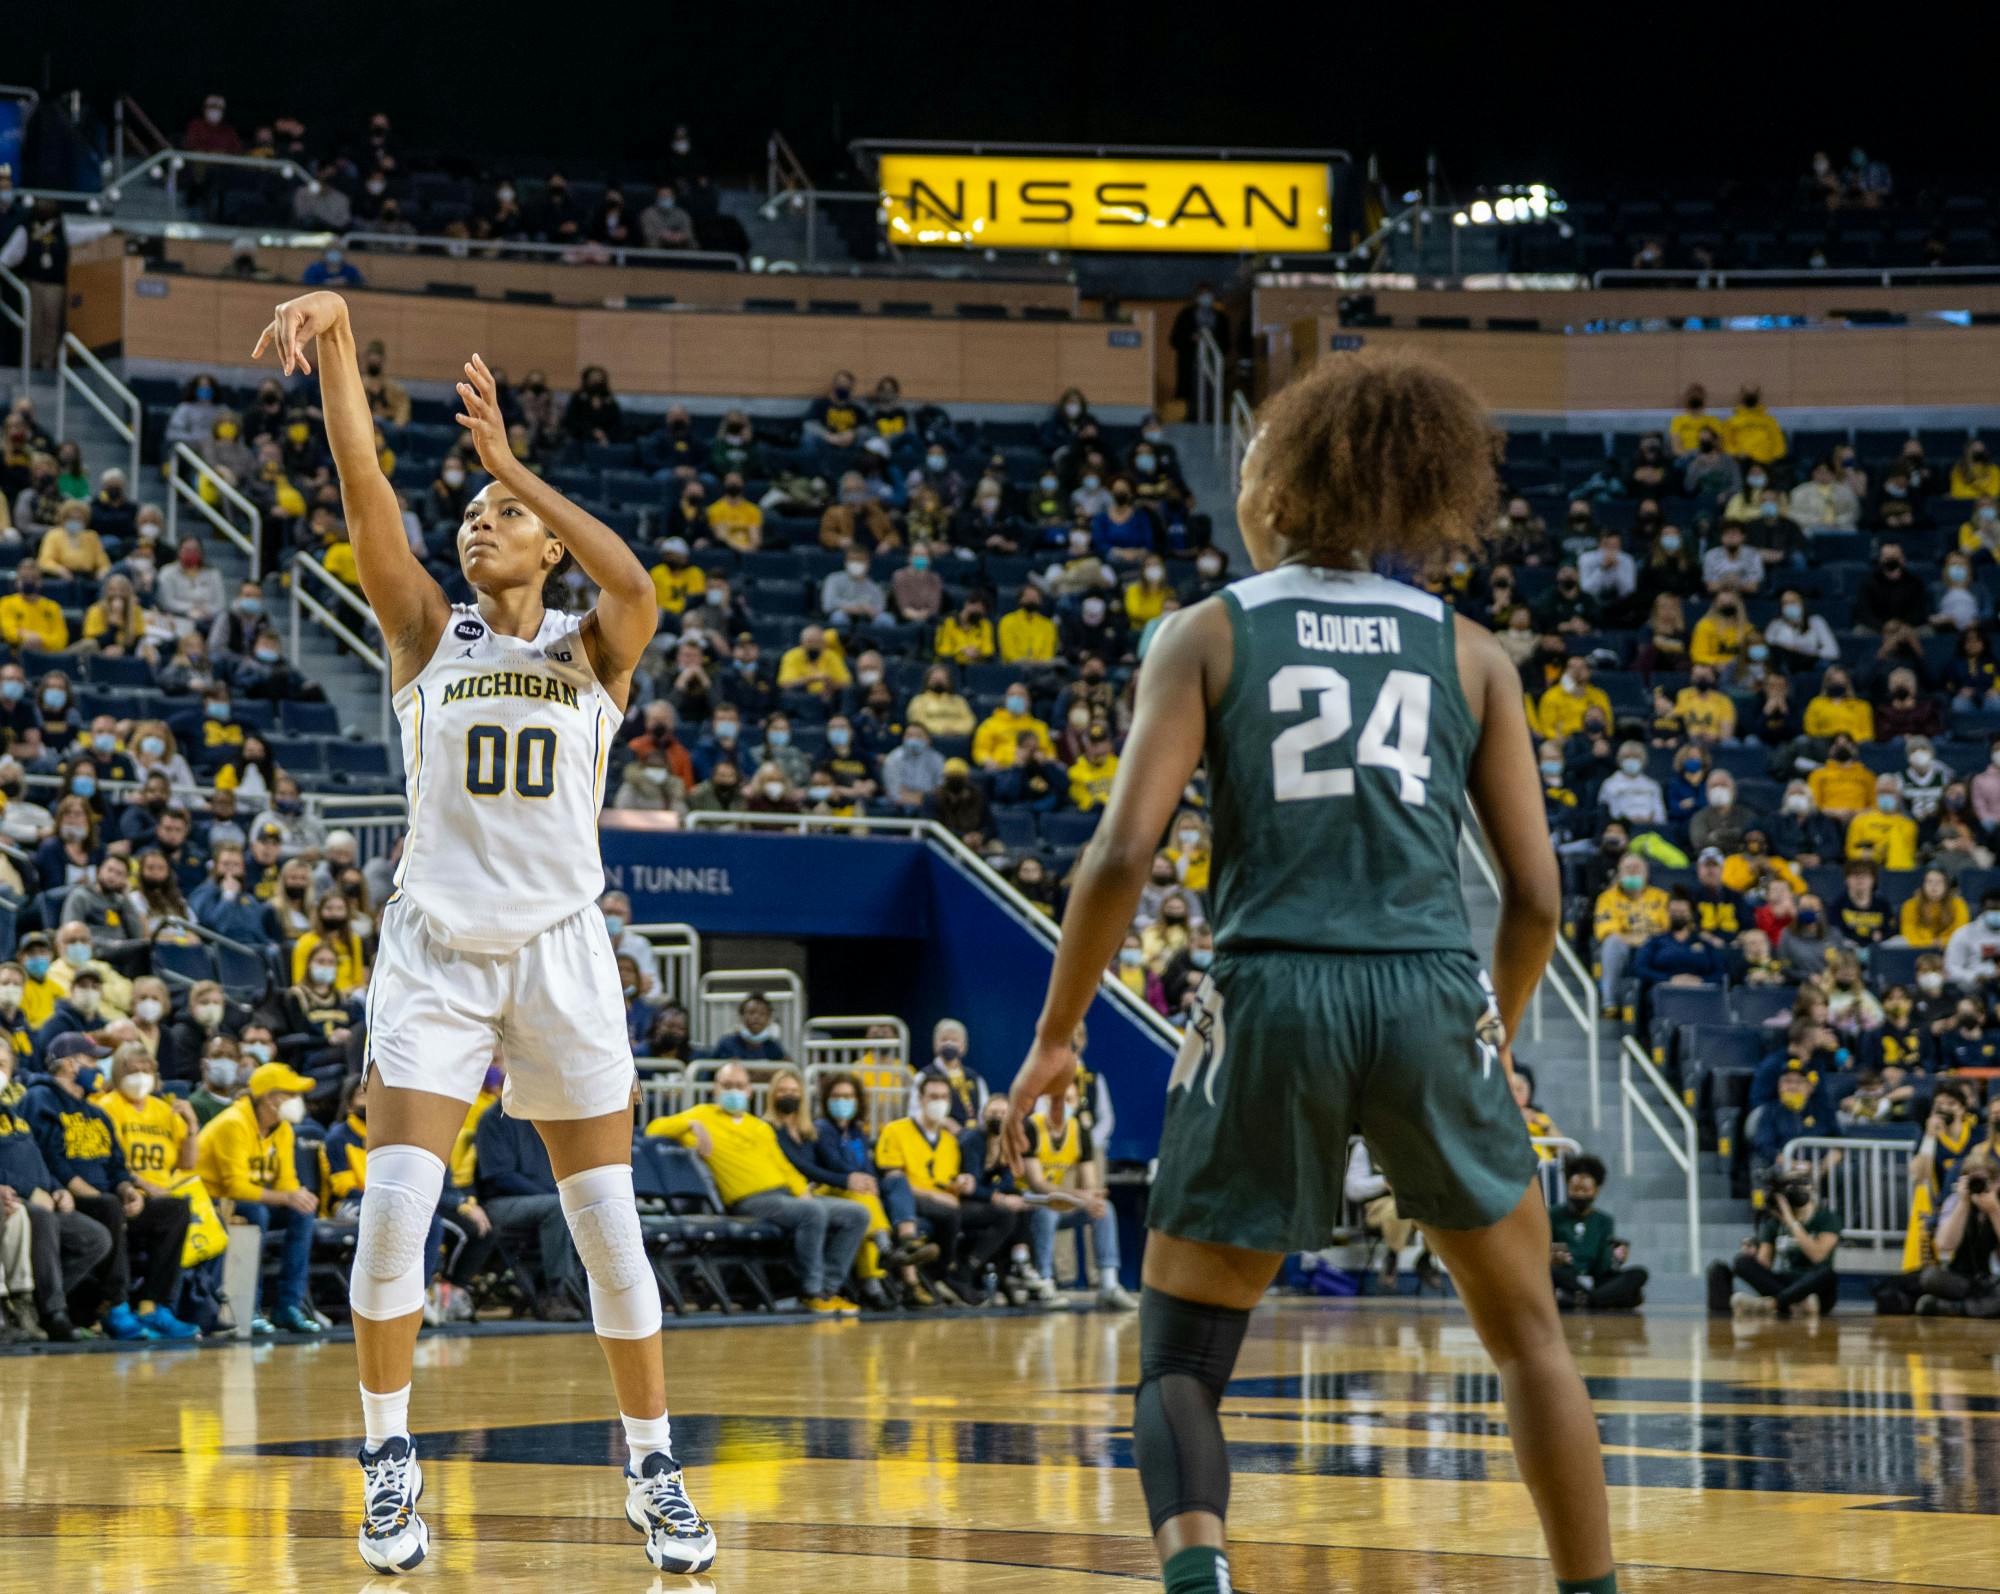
(268, 1077)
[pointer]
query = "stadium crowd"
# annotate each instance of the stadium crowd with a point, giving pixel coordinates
(954, 629)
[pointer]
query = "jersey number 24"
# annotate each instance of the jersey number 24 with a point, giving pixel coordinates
(1404, 708)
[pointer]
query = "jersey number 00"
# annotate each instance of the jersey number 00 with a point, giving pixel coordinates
(533, 762)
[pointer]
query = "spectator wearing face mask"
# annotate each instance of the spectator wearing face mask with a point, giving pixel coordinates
(1180, 981)
(857, 518)
(966, 637)
(1892, 592)
(186, 1036)
(1706, 712)
(227, 904)
(106, 908)
(1957, 605)
(1975, 475)
(1721, 822)
(298, 830)
(816, 666)
(1167, 936)
(1092, 774)
(1886, 835)
(223, 1071)
(245, 1156)
(916, 591)
(80, 1146)
(959, 804)
(1824, 502)
(757, 1180)
(1972, 956)
(915, 769)
(756, 1037)
(1809, 939)
(1722, 635)
(1124, 532)
(779, 749)
(1838, 713)
(1562, 708)
(938, 709)
(1027, 634)
(1631, 794)
(1587, 1260)
(850, 597)
(76, 955)
(316, 1028)
(734, 519)
(1797, 638)
(1752, 433)
(28, 618)
(994, 742)
(1628, 913)
(675, 580)
(71, 548)
(331, 929)
(1710, 472)
(1094, 627)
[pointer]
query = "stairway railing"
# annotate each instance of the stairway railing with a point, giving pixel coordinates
(22, 319)
(250, 543)
(1682, 1142)
(1565, 976)
(326, 601)
(1211, 375)
(73, 361)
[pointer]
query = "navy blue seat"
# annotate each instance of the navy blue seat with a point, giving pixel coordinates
(1753, 1004)
(356, 758)
(1892, 965)
(309, 719)
(1068, 830)
(183, 965)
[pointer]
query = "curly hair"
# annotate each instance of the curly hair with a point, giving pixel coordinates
(1373, 455)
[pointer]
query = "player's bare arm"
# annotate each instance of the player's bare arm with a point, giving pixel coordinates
(1187, 669)
(1506, 794)
(409, 605)
(627, 615)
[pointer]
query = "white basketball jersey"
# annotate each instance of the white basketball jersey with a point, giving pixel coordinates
(504, 744)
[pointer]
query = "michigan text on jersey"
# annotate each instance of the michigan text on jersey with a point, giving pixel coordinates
(512, 683)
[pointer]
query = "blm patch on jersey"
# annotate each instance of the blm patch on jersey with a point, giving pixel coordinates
(468, 630)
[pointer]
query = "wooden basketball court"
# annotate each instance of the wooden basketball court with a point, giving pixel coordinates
(993, 1455)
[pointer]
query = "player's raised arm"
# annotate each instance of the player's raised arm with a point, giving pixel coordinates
(1168, 729)
(1507, 795)
(409, 606)
(627, 613)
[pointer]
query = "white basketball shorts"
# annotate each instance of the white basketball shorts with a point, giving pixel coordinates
(553, 1012)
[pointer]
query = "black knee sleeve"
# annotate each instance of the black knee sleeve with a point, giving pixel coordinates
(1187, 1351)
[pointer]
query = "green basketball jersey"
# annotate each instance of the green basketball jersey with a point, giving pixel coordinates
(1337, 763)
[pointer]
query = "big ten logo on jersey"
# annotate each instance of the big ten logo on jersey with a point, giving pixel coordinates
(559, 652)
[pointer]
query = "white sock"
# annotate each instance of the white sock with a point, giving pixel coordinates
(386, 1416)
(1019, 1254)
(644, 1435)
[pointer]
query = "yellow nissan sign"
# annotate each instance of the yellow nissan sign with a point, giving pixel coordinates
(1037, 202)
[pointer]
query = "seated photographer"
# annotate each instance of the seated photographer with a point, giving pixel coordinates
(1788, 1261)
(1586, 1261)
(1962, 1283)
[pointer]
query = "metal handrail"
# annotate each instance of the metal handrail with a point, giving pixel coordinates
(568, 254)
(250, 543)
(23, 318)
(305, 603)
(1210, 378)
(1242, 428)
(1794, 276)
(128, 426)
(1870, 1189)
(784, 172)
(962, 856)
(807, 200)
(1223, 152)
(1685, 1151)
(172, 160)
(1563, 965)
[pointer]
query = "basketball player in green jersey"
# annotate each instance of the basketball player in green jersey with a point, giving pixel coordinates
(1346, 719)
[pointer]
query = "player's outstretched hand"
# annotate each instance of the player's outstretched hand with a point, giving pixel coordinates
(480, 395)
(1046, 1071)
(295, 323)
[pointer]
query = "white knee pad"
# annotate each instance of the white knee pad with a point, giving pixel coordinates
(604, 1222)
(404, 1183)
